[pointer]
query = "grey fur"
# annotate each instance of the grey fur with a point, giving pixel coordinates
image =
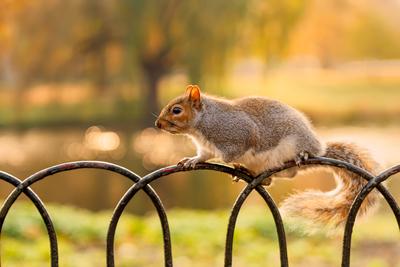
(252, 123)
(260, 134)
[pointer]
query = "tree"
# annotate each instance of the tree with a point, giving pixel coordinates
(161, 36)
(269, 26)
(29, 54)
(71, 40)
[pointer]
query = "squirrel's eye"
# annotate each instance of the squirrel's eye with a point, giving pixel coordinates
(176, 110)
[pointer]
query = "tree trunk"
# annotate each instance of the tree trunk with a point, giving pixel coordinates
(101, 75)
(150, 107)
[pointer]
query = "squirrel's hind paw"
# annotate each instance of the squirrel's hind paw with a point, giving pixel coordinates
(241, 168)
(302, 156)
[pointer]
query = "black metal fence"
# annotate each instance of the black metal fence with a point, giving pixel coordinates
(142, 183)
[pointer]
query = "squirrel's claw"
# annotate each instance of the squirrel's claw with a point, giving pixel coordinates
(235, 179)
(241, 168)
(182, 162)
(303, 156)
(188, 163)
(297, 160)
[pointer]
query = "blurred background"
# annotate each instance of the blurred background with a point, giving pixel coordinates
(84, 80)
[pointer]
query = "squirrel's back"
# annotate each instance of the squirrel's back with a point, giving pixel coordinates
(276, 120)
(257, 132)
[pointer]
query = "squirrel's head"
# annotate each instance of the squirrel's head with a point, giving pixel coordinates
(177, 116)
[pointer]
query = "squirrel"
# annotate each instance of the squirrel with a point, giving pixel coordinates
(260, 134)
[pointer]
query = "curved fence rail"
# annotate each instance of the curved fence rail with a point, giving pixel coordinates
(142, 183)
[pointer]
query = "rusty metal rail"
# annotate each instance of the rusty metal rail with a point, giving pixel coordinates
(142, 183)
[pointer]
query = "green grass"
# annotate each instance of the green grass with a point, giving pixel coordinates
(197, 237)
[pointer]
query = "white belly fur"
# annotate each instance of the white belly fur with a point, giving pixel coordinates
(272, 158)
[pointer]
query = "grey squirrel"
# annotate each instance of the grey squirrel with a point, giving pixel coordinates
(259, 134)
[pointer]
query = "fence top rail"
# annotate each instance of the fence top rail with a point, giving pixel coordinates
(143, 183)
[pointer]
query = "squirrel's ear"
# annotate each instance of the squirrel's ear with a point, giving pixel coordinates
(194, 95)
(188, 89)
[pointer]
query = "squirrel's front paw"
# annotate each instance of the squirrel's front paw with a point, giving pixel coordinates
(189, 162)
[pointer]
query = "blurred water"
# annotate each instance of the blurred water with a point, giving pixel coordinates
(25, 152)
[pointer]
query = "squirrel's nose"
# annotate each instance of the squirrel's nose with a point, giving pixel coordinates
(158, 124)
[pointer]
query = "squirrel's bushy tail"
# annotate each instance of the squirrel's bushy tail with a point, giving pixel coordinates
(331, 208)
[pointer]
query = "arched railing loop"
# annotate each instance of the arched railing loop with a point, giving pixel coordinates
(320, 161)
(253, 183)
(92, 165)
(206, 166)
(42, 211)
(119, 209)
(372, 184)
